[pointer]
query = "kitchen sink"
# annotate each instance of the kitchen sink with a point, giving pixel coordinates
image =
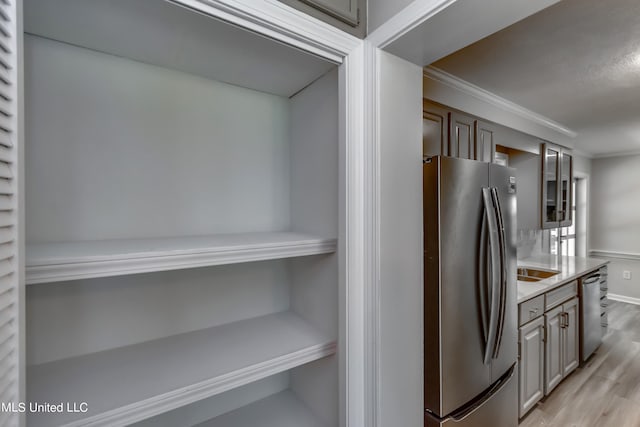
(526, 274)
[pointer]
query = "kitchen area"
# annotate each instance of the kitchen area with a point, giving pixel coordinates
(546, 310)
(575, 313)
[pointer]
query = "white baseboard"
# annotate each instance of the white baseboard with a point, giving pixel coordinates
(623, 298)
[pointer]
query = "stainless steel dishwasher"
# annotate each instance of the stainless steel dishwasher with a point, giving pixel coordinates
(590, 324)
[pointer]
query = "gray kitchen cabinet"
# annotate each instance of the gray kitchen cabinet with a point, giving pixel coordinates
(532, 357)
(435, 130)
(347, 15)
(561, 343)
(565, 214)
(557, 193)
(462, 138)
(344, 10)
(484, 141)
(571, 351)
(553, 349)
(454, 134)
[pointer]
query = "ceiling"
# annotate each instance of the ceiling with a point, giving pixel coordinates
(576, 62)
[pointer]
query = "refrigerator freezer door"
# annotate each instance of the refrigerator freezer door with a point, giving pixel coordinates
(454, 342)
(500, 409)
(503, 180)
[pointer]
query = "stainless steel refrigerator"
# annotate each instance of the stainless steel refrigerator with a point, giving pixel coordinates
(470, 323)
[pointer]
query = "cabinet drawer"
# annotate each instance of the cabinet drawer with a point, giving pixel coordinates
(531, 309)
(558, 296)
(604, 320)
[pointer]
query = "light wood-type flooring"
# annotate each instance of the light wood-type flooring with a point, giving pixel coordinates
(606, 391)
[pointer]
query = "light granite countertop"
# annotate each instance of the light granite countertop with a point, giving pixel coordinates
(570, 269)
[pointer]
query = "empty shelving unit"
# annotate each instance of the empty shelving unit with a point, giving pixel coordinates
(185, 210)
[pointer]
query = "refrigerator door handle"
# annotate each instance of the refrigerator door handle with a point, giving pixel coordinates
(483, 278)
(503, 272)
(494, 251)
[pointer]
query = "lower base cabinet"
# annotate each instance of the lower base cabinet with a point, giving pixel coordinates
(548, 345)
(531, 364)
(561, 343)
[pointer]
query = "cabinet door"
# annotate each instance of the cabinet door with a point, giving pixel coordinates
(550, 176)
(344, 10)
(461, 136)
(553, 368)
(435, 132)
(571, 331)
(484, 149)
(565, 214)
(531, 364)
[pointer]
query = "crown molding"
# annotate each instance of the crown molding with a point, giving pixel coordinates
(495, 100)
(617, 154)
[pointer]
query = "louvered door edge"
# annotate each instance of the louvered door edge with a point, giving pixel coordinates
(9, 291)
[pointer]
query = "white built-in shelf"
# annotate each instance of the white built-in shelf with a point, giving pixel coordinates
(283, 409)
(132, 383)
(54, 262)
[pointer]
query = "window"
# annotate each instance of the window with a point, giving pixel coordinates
(565, 237)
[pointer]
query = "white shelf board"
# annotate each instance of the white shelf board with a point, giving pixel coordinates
(282, 409)
(132, 383)
(54, 262)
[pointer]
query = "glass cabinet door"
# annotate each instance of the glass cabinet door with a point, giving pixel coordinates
(550, 193)
(566, 190)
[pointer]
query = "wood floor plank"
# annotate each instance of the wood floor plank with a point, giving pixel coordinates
(605, 391)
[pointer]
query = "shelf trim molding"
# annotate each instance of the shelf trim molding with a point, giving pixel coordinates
(157, 405)
(131, 264)
(280, 22)
(491, 98)
(614, 254)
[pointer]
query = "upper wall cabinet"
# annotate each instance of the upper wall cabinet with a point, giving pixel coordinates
(485, 141)
(557, 193)
(462, 138)
(454, 134)
(435, 131)
(348, 15)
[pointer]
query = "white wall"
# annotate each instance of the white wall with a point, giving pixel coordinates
(581, 164)
(401, 244)
(379, 11)
(161, 152)
(615, 218)
(315, 172)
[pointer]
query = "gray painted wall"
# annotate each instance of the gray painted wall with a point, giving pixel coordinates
(379, 11)
(162, 153)
(401, 244)
(615, 218)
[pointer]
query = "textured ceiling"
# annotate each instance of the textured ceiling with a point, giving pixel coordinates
(577, 62)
